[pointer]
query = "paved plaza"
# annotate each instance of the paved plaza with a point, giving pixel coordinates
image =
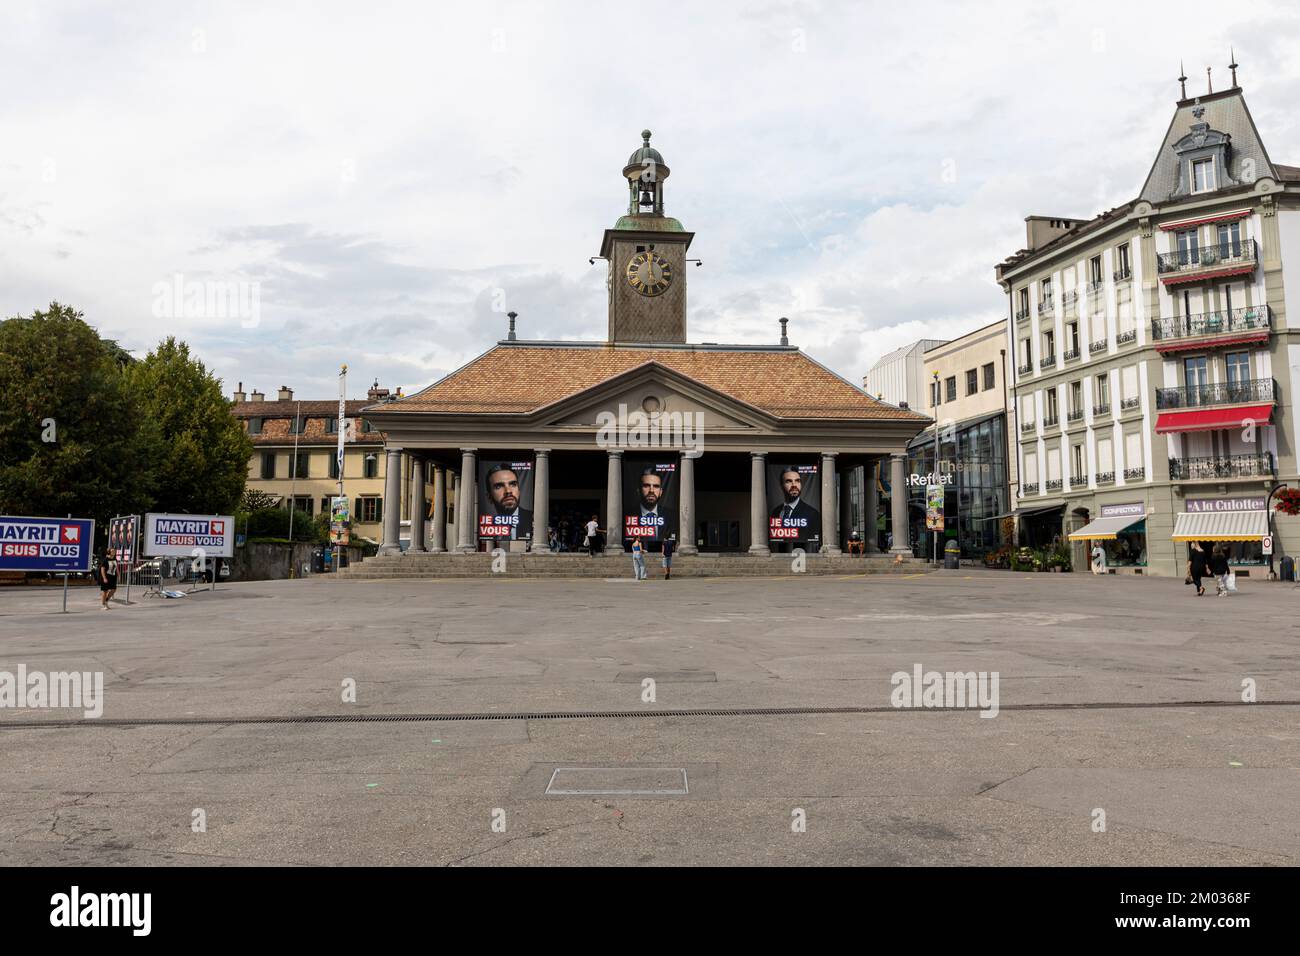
(1120, 695)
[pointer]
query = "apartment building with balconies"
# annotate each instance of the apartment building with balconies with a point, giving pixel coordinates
(1154, 362)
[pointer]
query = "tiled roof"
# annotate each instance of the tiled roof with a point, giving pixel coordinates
(276, 417)
(522, 378)
(1224, 112)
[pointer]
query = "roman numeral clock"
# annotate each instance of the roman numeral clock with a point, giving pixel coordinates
(646, 253)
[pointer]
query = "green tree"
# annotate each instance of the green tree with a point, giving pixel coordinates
(72, 438)
(205, 451)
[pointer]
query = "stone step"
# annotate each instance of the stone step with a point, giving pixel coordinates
(618, 566)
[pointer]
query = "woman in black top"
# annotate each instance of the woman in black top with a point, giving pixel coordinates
(1197, 567)
(106, 575)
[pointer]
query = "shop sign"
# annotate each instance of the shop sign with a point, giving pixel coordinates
(1199, 505)
(1136, 510)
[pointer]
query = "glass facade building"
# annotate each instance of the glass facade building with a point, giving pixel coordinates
(973, 469)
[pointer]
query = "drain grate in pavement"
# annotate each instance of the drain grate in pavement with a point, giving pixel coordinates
(618, 782)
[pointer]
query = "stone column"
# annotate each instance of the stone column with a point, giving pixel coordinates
(417, 505)
(541, 500)
(758, 542)
(830, 510)
(392, 502)
(870, 505)
(455, 513)
(686, 507)
(614, 502)
(846, 506)
(898, 504)
(439, 510)
(466, 503)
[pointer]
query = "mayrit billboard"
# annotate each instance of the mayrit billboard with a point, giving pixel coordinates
(179, 536)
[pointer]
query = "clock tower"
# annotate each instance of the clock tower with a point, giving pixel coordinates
(646, 253)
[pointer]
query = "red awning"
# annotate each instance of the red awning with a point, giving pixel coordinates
(1177, 345)
(1209, 419)
(1197, 275)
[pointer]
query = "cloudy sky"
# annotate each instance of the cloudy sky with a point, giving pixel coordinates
(390, 178)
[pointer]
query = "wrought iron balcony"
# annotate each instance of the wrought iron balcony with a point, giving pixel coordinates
(1025, 369)
(1075, 416)
(1070, 298)
(1132, 474)
(1255, 318)
(1123, 274)
(1222, 466)
(1047, 361)
(1127, 403)
(1022, 314)
(1251, 392)
(1105, 477)
(1027, 426)
(1101, 408)
(1199, 259)
(1070, 355)
(1124, 338)
(1095, 286)
(1052, 484)
(1045, 305)
(1099, 346)
(1050, 420)
(1029, 489)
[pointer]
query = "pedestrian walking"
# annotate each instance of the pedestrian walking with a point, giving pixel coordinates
(106, 575)
(1197, 567)
(1219, 568)
(638, 560)
(670, 545)
(591, 541)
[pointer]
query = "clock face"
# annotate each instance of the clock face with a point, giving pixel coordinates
(649, 274)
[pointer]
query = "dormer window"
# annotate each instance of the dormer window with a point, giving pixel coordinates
(1202, 175)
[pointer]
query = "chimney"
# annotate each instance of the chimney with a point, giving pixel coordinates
(376, 394)
(1040, 230)
(257, 396)
(239, 393)
(511, 316)
(286, 393)
(785, 339)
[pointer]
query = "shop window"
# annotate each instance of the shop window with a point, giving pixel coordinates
(1129, 547)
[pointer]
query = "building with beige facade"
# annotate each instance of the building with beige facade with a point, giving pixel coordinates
(295, 458)
(1155, 363)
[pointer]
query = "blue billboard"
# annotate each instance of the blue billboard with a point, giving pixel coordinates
(46, 544)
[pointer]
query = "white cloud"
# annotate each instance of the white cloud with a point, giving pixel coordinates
(393, 172)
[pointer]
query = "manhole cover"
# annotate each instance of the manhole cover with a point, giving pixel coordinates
(618, 781)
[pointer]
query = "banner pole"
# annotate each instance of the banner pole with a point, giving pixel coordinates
(65, 582)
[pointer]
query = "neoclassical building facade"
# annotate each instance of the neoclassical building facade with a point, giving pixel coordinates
(727, 448)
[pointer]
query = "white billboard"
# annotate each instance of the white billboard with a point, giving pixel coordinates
(177, 536)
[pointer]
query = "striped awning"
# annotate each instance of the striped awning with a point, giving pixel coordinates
(1221, 526)
(1105, 529)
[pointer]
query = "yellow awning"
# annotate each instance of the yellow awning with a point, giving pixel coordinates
(1221, 526)
(1105, 529)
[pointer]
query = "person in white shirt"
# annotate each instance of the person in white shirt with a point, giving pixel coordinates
(593, 536)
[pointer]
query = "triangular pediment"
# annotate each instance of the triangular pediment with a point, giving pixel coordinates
(656, 391)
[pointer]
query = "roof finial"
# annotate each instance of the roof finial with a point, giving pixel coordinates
(1209, 82)
(1182, 81)
(645, 137)
(1233, 66)
(785, 339)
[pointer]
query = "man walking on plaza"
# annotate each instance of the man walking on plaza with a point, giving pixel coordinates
(670, 545)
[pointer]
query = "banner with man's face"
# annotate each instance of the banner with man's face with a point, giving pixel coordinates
(649, 499)
(794, 499)
(505, 499)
